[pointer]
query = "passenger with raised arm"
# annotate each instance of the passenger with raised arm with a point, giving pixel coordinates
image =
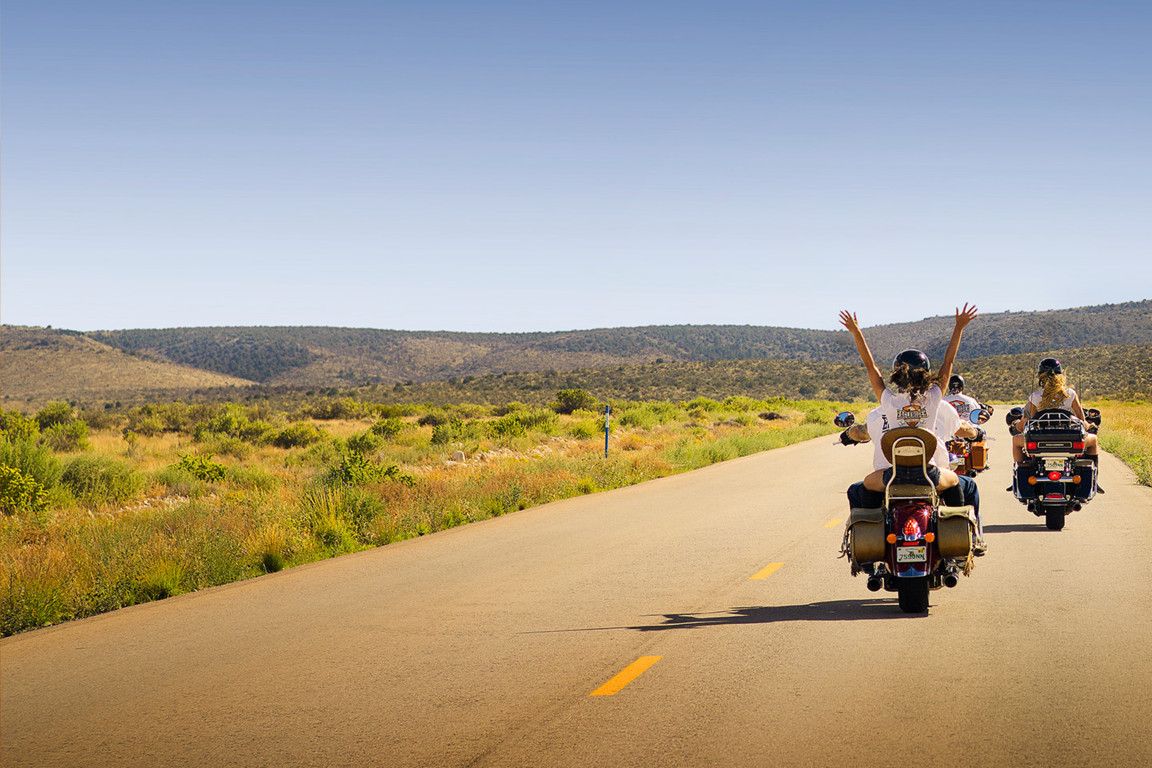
(914, 400)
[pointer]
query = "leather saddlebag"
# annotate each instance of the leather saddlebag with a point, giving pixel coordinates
(955, 529)
(866, 535)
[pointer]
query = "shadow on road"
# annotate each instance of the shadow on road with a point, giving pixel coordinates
(832, 610)
(1017, 528)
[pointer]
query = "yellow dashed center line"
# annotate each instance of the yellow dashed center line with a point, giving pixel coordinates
(766, 571)
(625, 676)
(835, 522)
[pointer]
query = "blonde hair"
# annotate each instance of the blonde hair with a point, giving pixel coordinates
(1054, 390)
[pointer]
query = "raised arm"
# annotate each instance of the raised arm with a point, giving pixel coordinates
(848, 320)
(963, 317)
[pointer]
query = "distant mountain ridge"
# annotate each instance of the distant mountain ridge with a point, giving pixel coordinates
(39, 362)
(320, 356)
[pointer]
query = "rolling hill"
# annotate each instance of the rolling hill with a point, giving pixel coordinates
(38, 363)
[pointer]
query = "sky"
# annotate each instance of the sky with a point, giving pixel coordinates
(515, 166)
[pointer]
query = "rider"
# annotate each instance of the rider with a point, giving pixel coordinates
(963, 404)
(916, 402)
(1053, 392)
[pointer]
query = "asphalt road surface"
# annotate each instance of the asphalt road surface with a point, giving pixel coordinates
(702, 619)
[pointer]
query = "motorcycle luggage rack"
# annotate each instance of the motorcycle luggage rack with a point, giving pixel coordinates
(1055, 420)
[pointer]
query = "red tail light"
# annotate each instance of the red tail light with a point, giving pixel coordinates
(1054, 475)
(1032, 445)
(1078, 445)
(911, 529)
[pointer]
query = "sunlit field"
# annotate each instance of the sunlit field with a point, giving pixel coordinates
(107, 509)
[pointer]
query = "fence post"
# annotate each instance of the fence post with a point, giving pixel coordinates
(607, 426)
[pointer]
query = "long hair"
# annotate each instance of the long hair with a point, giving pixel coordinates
(1053, 389)
(914, 381)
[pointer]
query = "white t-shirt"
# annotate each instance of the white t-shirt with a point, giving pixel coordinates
(963, 404)
(897, 410)
(1038, 395)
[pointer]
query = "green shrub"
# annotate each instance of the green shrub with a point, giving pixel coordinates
(15, 426)
(33, 460)
(161, 579)
(66, 436)
(355, 469)
(56, 412)
(365, 443)
(20, 492)
(568, 400)
(341, 408)
(97, 480)
(436, 419)
(180, 482)
(202, 468)
(387, 428)
(298, 435)
(509, 407)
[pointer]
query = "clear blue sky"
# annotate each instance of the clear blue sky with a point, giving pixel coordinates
(538, 165)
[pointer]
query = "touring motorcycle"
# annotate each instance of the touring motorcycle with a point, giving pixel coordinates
(913, 543)
(1056, 477)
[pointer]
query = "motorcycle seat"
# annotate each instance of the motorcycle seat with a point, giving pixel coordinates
(909, 491)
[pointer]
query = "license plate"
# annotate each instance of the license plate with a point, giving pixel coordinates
(1054, 464)
(911, 554)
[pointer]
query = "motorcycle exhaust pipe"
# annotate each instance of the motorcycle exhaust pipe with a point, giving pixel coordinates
(1076, 507)
(950, 579)
(875, 583)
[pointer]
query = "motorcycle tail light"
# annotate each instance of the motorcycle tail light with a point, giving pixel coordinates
(1032, 481)
(929, 537)
(1054, 475)
(911, 529)
(1078, 445)
(1076, 479)
(890, 538)
(1032, 445)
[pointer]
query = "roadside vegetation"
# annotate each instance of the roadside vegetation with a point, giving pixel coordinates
(1127, 433)
(106, 508)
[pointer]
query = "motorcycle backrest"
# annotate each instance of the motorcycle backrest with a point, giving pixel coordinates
(908, 446)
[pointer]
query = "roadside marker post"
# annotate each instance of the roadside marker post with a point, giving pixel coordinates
(607, 426)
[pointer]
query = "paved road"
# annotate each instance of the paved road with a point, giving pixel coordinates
(480, 646)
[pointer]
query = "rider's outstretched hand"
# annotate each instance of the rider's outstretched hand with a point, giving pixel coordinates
(965, 316)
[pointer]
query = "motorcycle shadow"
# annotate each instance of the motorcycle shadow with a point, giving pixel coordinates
(1018, 528)
(831, 610)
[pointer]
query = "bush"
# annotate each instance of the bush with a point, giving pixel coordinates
(568, 400)
(355, 468)
(202, 468)
(97, 480)
(387, 428)
(436, 419)
(342, 408)
(298, 435)
(33, 460)
(66, 436)
(15, 426)
(20, 492)
(365, 443)
(56, 412)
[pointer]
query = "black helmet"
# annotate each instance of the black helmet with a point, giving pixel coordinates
(956, 383)
(1013, 415)
(1049, 365)
(913, 358)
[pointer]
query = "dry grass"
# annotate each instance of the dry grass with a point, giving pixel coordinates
(1126, 431)
(275, 508)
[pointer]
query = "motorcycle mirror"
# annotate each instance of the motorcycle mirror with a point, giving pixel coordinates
(979, 416)
(844, 419)
(988, 408)
(1092, 415)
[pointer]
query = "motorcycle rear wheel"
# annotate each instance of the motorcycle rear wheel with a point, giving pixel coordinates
(913, 594)
(1054, 518)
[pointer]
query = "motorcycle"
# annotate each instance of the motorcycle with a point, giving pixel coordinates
(1056, 478)
(969, 456)
(912, 544)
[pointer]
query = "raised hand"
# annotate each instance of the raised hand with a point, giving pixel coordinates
(965, 316)
(849, 321)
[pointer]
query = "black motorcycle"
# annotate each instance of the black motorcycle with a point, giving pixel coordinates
(1056, 478)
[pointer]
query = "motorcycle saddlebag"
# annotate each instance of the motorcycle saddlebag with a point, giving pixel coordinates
(955, 527)
(978, 457)
(1086, 490)
(866, 535)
